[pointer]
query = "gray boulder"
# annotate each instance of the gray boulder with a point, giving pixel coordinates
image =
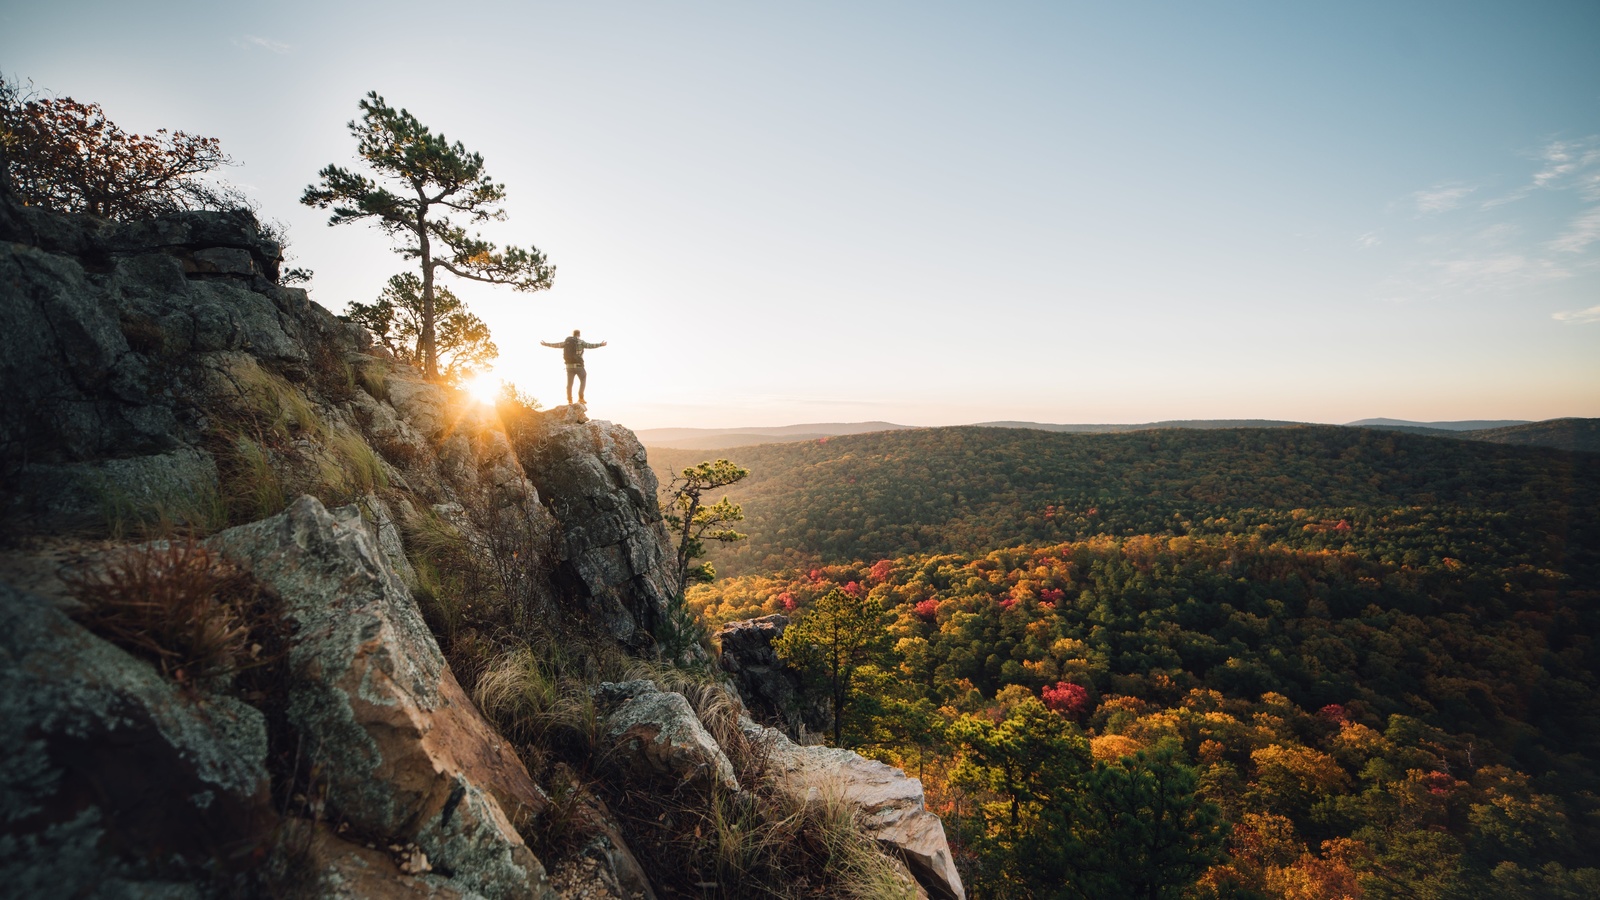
(113, 781)
(656, 735)
(891, 805)
(405, 754)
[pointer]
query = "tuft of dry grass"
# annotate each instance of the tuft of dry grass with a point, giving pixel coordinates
(276, 407)
(360, 470)
(448, 574)
(174, 603)
(199, 513)
(251, 488)
(762, 842)
(860, 868)
(373, 377)
(533, 703)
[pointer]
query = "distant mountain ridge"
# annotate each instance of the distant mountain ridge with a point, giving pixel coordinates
(1465, 425)
(1579, 435)
(1146, 426)
(1582, 435)
(968, 488)
(716, 438)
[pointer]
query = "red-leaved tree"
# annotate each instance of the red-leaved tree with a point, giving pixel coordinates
(66, 155)
(1064, 697)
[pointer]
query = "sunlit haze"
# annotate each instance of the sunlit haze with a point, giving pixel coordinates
(484, 388)
(946, 213)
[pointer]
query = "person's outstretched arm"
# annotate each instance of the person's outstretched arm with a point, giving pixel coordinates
(589, 346)
(548, 344)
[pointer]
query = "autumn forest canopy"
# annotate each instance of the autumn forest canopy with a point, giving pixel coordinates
(1304, 662)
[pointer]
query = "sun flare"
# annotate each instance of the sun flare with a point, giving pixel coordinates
(484, 387)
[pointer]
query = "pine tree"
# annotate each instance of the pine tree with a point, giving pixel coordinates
(433, 180)
(697, 522)
(835, 636)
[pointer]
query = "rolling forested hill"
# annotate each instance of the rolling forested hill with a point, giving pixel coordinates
(974, 489)
(1563, 434)
(1371, 655)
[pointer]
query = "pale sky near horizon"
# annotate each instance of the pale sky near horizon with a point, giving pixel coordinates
(937, 213)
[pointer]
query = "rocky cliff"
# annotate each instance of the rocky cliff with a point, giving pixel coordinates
(280, 618)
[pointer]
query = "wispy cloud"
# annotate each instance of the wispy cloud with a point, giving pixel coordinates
(1563, 158)
(1578, 316)
(261, 43)
(1473, 274)
(1495, 271)
(1440, 199)
(1584, 230)
(1462, 245)
(1571, 164)
(1370, 239)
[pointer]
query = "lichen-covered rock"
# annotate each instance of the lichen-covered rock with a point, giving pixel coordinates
(98, 321)
(404, 753)
(657, 735)
(615, 560)
(384, 529)
(768, 685)
(113, 781)
(179, 486)
(74, 388)
(891, 804)
(420, 403)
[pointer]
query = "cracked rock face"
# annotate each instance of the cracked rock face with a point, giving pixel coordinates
(615, 554)
(112, 779)
(406, 754)
(92, 316)
(891, 804)
(104, 330)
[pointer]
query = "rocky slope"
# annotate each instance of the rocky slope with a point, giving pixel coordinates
(278, 617)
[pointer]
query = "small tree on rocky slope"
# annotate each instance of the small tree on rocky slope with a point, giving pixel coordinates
(433, 180)
(461, 339)
(697, 522)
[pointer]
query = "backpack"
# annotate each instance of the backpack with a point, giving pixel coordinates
(572, 351)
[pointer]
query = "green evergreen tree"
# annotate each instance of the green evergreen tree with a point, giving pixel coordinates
(1145, 833)
(834, 637)
(1033, 758)
(435, 182)
(696, 522)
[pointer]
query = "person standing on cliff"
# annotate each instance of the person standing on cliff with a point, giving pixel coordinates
(572, 354)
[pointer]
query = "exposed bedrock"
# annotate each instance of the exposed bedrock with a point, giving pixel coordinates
(891, 804)
(615, 557)
(407, 755)
(113, 780)
(657, 736)
(770, 688)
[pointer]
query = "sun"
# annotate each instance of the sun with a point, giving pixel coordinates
(484, 387)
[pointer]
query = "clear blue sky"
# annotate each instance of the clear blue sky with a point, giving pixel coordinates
(944, 213)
